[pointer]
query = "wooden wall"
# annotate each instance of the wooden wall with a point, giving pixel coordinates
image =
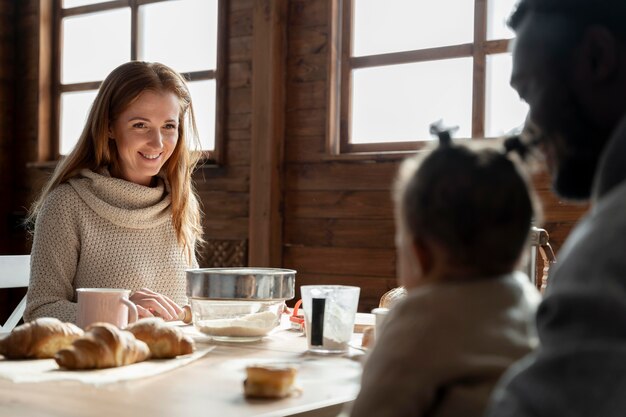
(224, 190)
(338, 217)
(7, 113)
(337, 214)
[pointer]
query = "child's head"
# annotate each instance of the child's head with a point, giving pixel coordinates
(461, 213)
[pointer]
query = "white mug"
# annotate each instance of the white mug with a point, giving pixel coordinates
(108, 305)
(380, 315)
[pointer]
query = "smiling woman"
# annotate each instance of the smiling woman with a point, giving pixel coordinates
(145, 134)
(121, 205)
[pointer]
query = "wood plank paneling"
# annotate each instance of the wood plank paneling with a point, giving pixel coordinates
(232, 179)
(237, 152)
(305, 149)
(241, 121)
(218, 228)
(240, 23)
(341, 261)
(306, 122)
(224, 205)
(239, 101)
(341, 176)
(239, 49)
(268, 133)
(308, 40)
(307, 13)
(339, 204)
(306, 95)
(239, 74)
(307, 68)
(237, 5)
(340, 233)
(556, 210)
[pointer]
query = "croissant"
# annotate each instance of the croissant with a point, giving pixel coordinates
(39, 339)
(103, 346)
(392, 297)
(164, 341)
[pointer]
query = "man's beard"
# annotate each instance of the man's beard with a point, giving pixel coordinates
(574, 147)
(574, 175)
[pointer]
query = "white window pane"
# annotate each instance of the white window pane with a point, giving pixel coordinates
(180, 34)
(498, 12)
(94, 44)
(75, 3)
(74, 110)
(402, 25)
(203, 99)
(505, 111)
(398, 103)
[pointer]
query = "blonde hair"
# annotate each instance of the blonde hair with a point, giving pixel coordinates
(95, 151)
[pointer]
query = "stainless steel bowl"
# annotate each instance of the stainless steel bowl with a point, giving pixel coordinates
(261, 284)
(238, 304)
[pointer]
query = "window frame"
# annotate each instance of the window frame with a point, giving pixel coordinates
(342, 63)
(49, 140)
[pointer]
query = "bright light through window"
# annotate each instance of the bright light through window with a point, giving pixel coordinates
(399, 85)
(94, 44)
(167, 28)
(74, 110)
(403, 25)
(505, 111)
(498, 13)
(95, 40)
(203, 98)
(398, 103)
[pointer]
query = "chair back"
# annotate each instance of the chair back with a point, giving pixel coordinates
(14, 273)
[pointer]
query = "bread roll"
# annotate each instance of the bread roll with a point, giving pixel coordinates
(164, 341)
(103, 346)
(269, 381)
(39, 339)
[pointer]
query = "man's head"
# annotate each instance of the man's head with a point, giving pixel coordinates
(569, 64)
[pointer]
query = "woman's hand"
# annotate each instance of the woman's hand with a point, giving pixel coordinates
(153, 304)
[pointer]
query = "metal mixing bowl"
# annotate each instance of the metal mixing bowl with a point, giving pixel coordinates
(238, 304)
(241, 283)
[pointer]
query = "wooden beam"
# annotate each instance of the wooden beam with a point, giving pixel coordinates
(408, 57)
(479, 74)
(46, 73)
(267, 136)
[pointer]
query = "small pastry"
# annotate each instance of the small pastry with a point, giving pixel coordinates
(271, 381)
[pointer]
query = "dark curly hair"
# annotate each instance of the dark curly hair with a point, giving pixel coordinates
(475, 204)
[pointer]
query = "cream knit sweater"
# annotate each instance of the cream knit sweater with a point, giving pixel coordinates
(101, 232)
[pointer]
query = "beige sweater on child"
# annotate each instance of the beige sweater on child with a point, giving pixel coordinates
(444, 347)
(96, 231)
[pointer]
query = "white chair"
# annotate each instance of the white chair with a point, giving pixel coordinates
(14, 273)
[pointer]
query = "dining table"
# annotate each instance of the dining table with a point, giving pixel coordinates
(209, 385)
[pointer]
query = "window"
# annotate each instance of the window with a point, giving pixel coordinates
(399, 65)
(92, 37)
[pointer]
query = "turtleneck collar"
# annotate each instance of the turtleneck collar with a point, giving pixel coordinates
(122, 202)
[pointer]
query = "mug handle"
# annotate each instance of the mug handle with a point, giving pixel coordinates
(132, 310)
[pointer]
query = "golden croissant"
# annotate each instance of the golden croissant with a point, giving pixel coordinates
(164, 341)
(39, 339)
(103, 346)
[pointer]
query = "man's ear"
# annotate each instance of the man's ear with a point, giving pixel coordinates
(598, 55)
(424, 255)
